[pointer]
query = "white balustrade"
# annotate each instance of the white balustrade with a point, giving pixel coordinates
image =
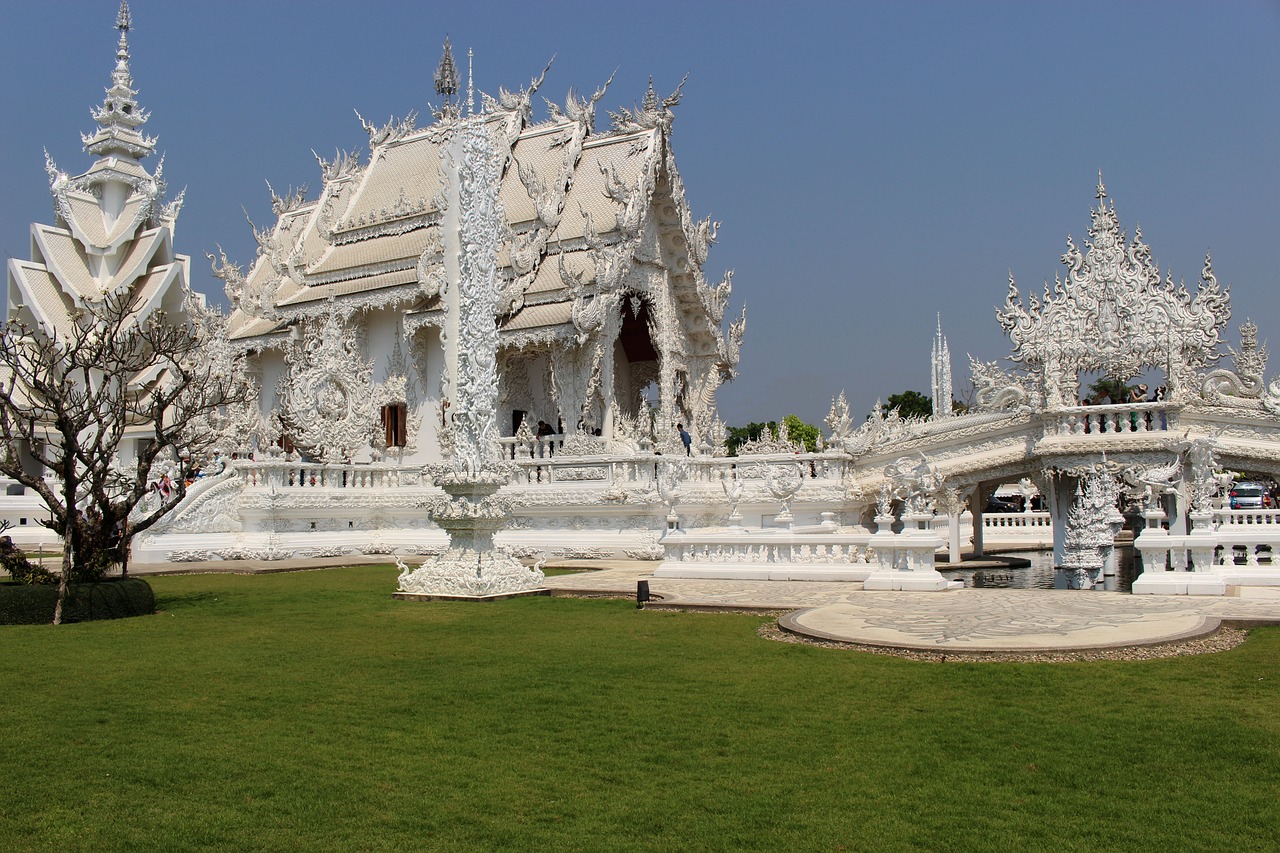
(1233, 518)
(1110, 420)
(1006, 521)
(286, 474)
(539, 466)
(780, 547)
(519, 450)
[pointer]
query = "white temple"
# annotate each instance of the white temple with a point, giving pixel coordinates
(603, 305)
(371, 373)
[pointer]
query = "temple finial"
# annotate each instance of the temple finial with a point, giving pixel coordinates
(650, 103)
(119, 117)
(447, 73)
(1102, 190)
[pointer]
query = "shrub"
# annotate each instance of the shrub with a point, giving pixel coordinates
(23, 604)
(22, 570)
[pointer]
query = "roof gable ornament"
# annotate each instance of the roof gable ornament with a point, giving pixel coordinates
(1112, 314)
(652, 112)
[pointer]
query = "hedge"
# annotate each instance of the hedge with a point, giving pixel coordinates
(21, 604)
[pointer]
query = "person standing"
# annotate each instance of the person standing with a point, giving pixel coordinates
(686, 439)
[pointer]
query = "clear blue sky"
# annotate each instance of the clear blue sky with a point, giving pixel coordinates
(872, 163)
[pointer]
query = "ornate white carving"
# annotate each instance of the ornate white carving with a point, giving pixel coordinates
(916, 482)
(782, 481)
(327, 404)
(1113, 314)
(880, 430)
(1244, 385)
(1092, 525)
(671, 473)
(1205, 482)
(472, 511)
(839, 421)
(652, 551)
(733, 488)
(1148, 483)
(475, 384)
(996, 390)
(768, 443)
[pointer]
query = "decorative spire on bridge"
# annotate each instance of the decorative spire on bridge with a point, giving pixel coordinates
(941, 382)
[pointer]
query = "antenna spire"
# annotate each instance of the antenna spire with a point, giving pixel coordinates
(471, 93)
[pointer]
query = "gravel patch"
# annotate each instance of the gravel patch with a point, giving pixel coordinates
(1221, 640)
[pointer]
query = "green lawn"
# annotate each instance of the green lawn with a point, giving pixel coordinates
(311, 711)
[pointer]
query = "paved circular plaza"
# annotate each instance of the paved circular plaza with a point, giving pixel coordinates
(968, 620)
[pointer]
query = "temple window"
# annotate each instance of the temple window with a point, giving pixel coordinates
(395, 421)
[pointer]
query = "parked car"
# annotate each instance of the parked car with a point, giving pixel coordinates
(1002, 505)
(1250, 496)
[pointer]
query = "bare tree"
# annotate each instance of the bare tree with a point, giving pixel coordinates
(70, 395)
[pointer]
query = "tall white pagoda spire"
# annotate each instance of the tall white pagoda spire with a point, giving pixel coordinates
(941, 380)
(119, 117)
(113, 233)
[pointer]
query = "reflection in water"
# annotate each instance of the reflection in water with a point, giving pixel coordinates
(1039, 575)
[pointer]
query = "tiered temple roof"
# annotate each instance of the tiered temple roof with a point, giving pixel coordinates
(586, 211)
(112, 234)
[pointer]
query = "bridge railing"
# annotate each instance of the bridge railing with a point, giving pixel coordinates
(1110, 420)
(1232, 519)
(1010, 521)
(778, 546)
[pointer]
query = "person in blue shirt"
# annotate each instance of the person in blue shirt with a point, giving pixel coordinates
(686, 438)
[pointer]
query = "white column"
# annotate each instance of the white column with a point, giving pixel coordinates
(953, 535)
(1061, 494)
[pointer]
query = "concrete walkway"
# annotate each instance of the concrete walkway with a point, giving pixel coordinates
(969, 620)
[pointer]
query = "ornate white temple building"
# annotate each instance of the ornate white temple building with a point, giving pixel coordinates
(603, 306)
(608, 335)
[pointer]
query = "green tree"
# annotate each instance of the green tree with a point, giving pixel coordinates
(753, 431)
(911, 404)
(798, 430)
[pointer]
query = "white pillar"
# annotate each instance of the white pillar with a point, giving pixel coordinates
(1061, 494)
(953, 535)
(1178, 517)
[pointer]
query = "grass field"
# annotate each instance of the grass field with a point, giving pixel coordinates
(311, 711)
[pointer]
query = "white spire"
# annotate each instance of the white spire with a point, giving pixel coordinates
(119, 118)
(471, 92)
(941, 379)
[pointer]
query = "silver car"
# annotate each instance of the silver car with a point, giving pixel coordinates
(1250, 496)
